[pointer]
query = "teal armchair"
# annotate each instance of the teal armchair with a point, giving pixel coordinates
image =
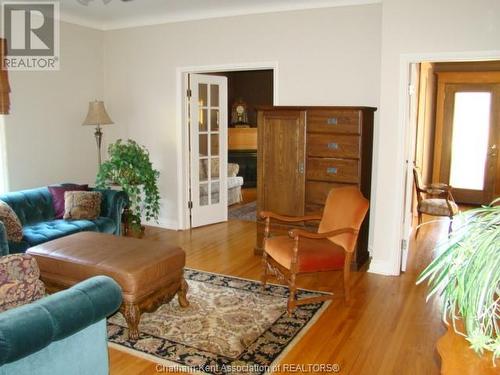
(35, 211)
(64, 333)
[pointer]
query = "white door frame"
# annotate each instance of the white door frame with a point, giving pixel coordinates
(182, 130)
(404, 122)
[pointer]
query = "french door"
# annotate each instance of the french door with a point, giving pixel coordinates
(208, 149)
(471, 132)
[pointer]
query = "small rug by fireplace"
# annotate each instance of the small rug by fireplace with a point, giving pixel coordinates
(247, 212)
(231, 326)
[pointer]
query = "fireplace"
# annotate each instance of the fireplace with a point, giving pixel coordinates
(247, 160)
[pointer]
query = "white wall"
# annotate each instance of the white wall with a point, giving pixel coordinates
(427, 27)
(326, 57)
(46, 143)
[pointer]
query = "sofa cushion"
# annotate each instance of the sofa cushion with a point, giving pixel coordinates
(11, 223)
(31, 206)
(50, 230)
(438, 207)
(57, 193)
(82, 205)
(41, 232)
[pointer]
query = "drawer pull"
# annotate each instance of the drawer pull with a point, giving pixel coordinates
(331, 170)
(333, 146)
(332, 121)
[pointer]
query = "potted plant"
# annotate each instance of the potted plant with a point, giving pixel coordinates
(466, 274)
(129, 167)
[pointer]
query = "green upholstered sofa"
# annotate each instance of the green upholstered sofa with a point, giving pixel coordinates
(35, 211)
(64, 333)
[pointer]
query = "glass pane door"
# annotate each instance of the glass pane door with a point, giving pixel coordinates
(209, 153)
(471, 127)
(208, 108)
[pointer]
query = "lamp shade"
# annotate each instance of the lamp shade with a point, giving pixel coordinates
(97, 114)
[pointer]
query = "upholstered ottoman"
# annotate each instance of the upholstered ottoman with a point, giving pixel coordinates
(148, 272)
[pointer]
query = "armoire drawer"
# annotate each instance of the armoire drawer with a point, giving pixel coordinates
(331, 169)
(334, 121)
(333, 145)
(317, 191)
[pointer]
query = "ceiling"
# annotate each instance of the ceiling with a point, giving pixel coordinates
(115, 14)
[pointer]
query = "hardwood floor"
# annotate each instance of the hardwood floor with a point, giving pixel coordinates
(386, 329)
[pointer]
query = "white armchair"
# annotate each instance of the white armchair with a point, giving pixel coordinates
(234, 184)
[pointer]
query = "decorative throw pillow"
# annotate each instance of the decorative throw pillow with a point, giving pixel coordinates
(11, 222)
(57, 193)
(82, 205)
(19, 281)
(232, 169)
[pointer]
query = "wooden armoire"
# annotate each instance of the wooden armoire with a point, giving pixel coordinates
(302, 153)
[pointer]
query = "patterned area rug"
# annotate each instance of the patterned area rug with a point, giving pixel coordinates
(231, 326)
(247, 212)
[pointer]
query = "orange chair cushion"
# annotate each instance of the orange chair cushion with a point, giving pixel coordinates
(314, 255)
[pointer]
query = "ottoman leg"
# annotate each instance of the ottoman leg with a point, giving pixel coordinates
(132, 315)
(182, 294)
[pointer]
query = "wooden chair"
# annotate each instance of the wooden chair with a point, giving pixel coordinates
(434, 200)
(331, 248)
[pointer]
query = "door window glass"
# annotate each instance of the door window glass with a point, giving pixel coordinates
(471, 124)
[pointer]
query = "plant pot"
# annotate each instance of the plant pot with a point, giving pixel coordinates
(134, 232)
(458, 358)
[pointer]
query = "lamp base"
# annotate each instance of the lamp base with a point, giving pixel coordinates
(98, 140)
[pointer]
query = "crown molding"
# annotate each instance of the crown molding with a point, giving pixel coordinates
(174, 18)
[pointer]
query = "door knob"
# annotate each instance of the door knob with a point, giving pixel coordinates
(493, 150)
(301, 168)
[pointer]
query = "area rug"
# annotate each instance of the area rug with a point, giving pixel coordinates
(232, 326)
(247, 212)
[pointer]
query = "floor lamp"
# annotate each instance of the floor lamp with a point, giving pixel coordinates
(97, 116)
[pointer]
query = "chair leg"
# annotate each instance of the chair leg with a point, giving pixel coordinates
(418, 223)
(291, 299)
(347, 277)
(450, 228)
(265, 269)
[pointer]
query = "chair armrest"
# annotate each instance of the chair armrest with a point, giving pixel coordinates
(296, 233)
(27, 329)
(4, 243)
(112, 205)
(288, 219)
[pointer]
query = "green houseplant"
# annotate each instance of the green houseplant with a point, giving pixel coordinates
(129, 167)
(466, 274)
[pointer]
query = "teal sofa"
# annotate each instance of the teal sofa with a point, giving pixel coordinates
(61, 334)
(35, 211)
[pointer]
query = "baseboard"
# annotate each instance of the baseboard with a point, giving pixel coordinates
(162, 223)
(381, 268)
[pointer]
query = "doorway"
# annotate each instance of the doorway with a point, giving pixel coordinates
(453, 119)
(246, 88)
(247, 91)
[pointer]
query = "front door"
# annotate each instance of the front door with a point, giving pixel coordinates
(471, 134)
(208, 149)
